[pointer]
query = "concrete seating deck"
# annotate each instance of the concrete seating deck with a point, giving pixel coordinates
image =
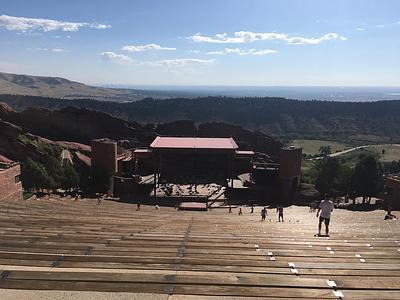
(81, 246)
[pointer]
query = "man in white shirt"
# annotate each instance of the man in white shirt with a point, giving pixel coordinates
(326, 207)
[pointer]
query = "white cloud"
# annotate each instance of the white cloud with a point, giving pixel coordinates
(182, 62)
(117, 58)
(216, 53)
(100, 26)
(193, 51)
(58, 50)
(249, 37)
(263, 52)
(239, 51)
(360, 29)
(48, 49)
(221, 38)
(148, 47)
(33, 24)
(380, 26)
(37, 49)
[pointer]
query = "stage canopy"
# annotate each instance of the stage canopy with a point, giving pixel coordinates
(193, 143)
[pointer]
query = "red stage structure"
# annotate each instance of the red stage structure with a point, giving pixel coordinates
(193, 160)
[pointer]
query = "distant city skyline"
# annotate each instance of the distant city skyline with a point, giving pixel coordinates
(206, 43)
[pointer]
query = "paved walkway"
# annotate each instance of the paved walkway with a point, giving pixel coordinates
(353, 149)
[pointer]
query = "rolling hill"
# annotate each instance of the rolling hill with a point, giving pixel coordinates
(63, 88)
(355, 122)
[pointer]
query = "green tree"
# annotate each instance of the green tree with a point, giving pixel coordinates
(70, 178)
(394, 167)
(344, 181)
(55, 171)
(325, 150)
(326, 175)
(34, 175)
(50, 150)
(367, 180)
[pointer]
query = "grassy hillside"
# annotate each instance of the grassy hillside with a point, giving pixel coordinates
(385, 153)
(311, 147)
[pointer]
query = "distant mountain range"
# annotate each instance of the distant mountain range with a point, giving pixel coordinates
(364, 121)
(63, 88)
(57, 87)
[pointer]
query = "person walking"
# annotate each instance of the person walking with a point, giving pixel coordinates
(230, 209)
(279, 210)
(263, 214)
(326, 208)
(252, 209)
(240, 211)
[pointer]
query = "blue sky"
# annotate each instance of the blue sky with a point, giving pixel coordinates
(208, 42)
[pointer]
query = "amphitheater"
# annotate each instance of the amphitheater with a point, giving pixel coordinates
(65, 249)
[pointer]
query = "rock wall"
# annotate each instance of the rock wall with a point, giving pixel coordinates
(10, 185)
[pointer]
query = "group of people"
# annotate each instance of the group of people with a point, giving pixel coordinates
(325, 209)
(264, 212)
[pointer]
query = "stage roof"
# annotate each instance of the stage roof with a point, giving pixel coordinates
(193, 143)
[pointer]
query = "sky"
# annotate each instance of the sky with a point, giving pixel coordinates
(207, 42)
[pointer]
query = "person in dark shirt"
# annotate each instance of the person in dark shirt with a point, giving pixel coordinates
(279, 210)
(263, 214)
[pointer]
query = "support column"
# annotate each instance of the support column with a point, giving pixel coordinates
(112, 186)
(136, 165)
(231, 158)
(159, 169)
(155, 176)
